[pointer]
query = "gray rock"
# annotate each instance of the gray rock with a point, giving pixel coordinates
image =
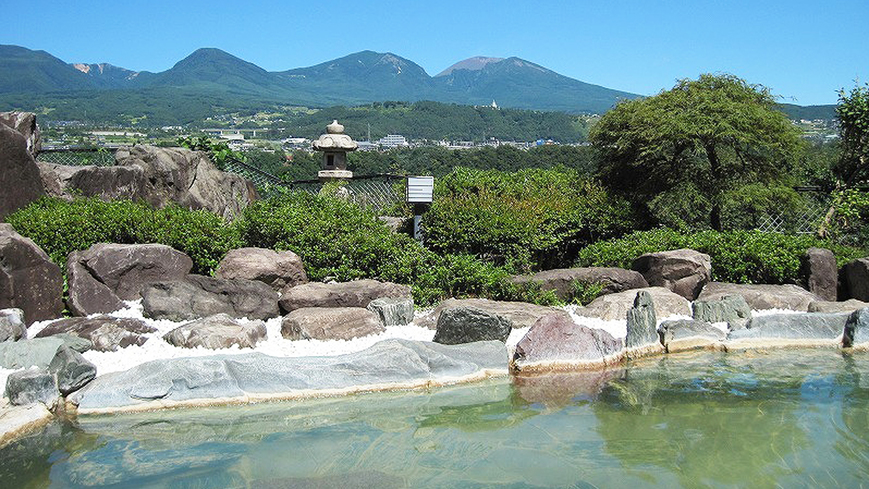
(396, 311)
(805, 326)
(106, 333)
(126, 268)
(358, 293)
(849, 305)
(30, 386)
(856, 331)
(218, 331)
(330, 323)
(87, 295)
(730, 309)
(103, 182)
(689, 334)
(189, 179)
(401, 363)
(521, 314)
(468, 324)
(197, 296)
(684, 271)
(71, 370)
(396, 224)
(278, 269)
(761, 296)
(616, 306)
(555, 341)
(38, 352)
(819, 273)
(25, 124)
(642, 323)
(561, 280)
(28, 279)
(855, 279)
(12, 327)
(74, 342)
(19, 175)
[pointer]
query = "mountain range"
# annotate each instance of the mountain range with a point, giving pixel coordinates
(210, 80)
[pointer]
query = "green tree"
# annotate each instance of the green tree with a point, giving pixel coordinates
(710, 135)
(852, 113)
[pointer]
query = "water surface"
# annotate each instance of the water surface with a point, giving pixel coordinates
(779, 419)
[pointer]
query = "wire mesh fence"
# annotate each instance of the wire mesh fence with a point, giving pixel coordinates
(806, 220)
(78, 156)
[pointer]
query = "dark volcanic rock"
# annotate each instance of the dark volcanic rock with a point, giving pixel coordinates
(761, 296)
(105, 332)
(125, 268)
(684, 272)
(855, 280)
(856, 329)
(330, 323)
(71, 370)
(561, 280)
(12, 327)
(87, 295)
(689, 334)
(20, 181)
(28, 279)
(197, 296)
(218, 331)
(358, 293)
(555, 341)
(468, 324)
(278, 269)
(819, 273)
(730, 309)
(32, 385)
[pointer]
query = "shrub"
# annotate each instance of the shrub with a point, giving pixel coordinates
(530, 219)
(60, 227)
(737, 256)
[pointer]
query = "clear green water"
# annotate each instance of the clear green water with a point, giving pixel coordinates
(783, 419)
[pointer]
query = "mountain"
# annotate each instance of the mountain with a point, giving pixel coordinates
(106, 75)
(473, 64)
(213, 69)
(514, 82)
(37, 71)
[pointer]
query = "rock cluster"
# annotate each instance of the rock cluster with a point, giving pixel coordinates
(28, 279)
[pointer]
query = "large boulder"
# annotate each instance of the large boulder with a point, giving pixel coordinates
(12, 327)
(613, 307)
(761, 296)
(30, 386)
(197, 296)
(555, 342)
(278, 269)
(642, 327)
(468, 324)
(330, 323)
(106, 333)
(28, 279)
(72, 370)
(819, 273)
(393, 311)
(849, 305)
(103, 182)
(786, 329)
(37, 352)
(106, 274)
(215, 332)
(730, 309)
(25, 124)
(521, 314)
(562, 280)
(189, 179)
(855, 279)
(856, 333)
(20, 181)
(689, 334)
(684, 271)
(358, 293)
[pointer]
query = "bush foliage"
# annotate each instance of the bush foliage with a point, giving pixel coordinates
(737, 256)
(530, 219)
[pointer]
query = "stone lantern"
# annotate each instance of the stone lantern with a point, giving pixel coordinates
(334, 145)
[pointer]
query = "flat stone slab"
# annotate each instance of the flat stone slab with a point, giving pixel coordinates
(16, 421)
(616, 306)
(811, 328)
(762, 296)
(224, 379)
(522, 314)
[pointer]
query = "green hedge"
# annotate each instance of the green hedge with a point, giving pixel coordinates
(530, 219)
(737, 256)
(60, 227)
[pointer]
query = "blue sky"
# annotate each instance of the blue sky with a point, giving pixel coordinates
(804, 51)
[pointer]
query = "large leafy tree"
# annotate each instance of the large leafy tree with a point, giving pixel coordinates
(687, 148)
(852, 113)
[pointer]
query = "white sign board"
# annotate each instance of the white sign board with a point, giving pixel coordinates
(420, 190)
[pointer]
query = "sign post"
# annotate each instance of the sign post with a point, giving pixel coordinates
(420, 193)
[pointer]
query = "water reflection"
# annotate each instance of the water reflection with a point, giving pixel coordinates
(692, 420)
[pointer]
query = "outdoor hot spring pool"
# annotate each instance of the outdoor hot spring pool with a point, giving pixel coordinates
(794, 418)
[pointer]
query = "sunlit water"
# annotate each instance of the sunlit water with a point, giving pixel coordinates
(781, 419)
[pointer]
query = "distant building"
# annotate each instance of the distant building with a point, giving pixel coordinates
(392, 141)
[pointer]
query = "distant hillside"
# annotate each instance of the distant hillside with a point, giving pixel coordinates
(472, 64)
(809, 112)
(24, 70)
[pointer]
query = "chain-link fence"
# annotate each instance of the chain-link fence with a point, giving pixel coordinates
(78, 156)
(805, 220)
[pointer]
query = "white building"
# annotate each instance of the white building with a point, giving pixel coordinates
(392, 141)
